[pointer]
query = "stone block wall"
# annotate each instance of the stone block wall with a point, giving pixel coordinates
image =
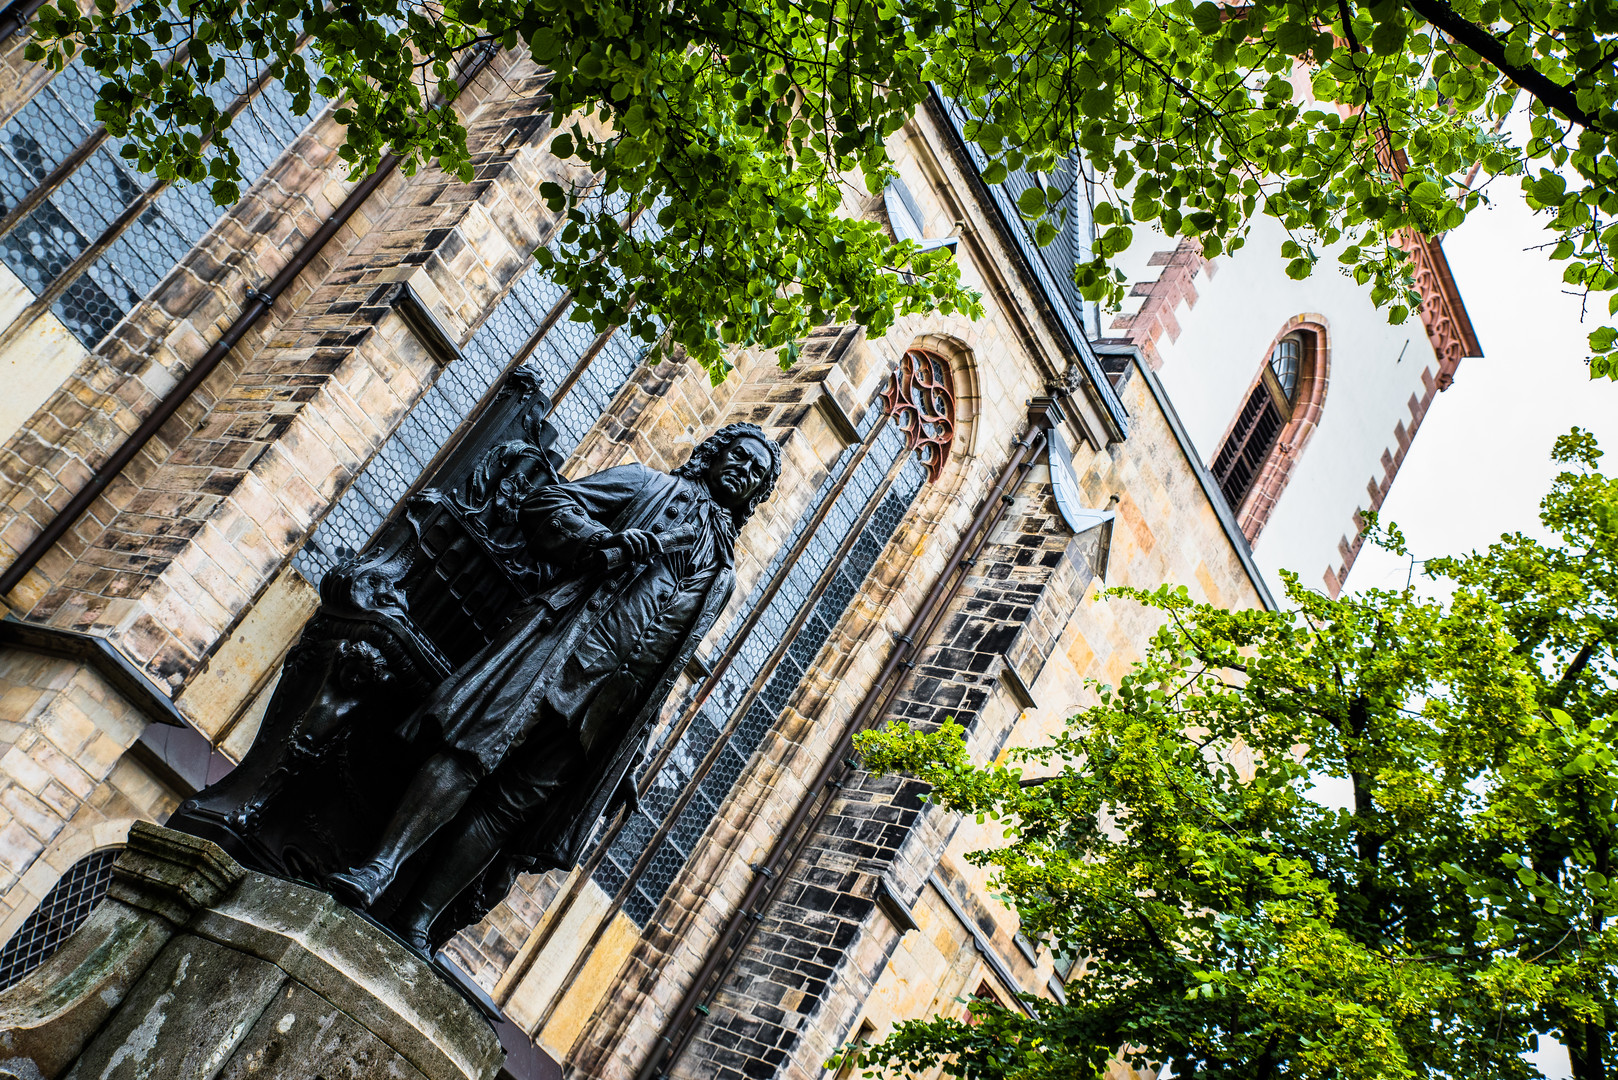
(66, 786)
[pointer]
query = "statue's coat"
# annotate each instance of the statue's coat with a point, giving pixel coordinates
(573, 644)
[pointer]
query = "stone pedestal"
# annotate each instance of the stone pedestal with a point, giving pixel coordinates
(196, 969)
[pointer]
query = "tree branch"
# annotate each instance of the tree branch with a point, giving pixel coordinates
(1474, 37)
(1580, 661)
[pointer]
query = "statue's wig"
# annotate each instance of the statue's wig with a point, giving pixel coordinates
(696, 467)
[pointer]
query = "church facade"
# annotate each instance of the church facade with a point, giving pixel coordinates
(208, 410)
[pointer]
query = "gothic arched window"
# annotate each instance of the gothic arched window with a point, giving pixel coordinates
(1277, 415)
(63, 911)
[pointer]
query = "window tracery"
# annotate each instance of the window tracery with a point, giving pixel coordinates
(921, 400)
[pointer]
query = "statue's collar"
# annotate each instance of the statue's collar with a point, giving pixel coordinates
(703, 499)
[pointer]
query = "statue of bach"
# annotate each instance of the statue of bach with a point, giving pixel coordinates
(528, 743)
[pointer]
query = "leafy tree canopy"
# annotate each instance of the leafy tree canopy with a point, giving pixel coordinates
(1224, 919)
(743, 124)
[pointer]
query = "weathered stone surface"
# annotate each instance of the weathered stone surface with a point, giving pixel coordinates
(159, 882)
(185, 1017)
(300, 1033)
(360, 969)
(194, 968)
(172, 874)
(48, 1017)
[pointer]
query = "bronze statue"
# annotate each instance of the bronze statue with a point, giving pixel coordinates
(587, 598)
(537, 732)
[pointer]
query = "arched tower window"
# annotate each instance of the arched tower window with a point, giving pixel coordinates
(1277, 416)
(63, 911)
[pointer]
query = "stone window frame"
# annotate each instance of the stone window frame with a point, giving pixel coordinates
(1314, 376)
(958, 353)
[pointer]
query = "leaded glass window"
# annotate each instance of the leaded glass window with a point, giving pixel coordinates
(63, 911)
(106, 234)
(887, 475)
(1285, 359)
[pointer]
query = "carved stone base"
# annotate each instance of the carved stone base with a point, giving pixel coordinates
(196, 968)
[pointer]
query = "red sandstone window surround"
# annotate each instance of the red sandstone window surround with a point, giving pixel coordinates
(1278, 414)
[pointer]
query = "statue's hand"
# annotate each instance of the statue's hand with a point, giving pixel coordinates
(638, 545)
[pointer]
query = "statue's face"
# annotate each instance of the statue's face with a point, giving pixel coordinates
(737, 472)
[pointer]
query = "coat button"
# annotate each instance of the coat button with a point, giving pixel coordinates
(673, 511)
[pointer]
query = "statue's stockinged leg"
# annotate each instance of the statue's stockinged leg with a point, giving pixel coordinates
(513, 796)
(431, 801)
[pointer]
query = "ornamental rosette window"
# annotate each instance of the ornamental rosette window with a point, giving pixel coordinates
(921, 400)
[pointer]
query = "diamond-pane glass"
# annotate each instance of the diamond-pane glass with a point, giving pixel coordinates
(82, 210)
(754, 652)
(63, 911)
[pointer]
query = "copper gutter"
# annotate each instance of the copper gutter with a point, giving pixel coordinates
(812, 810)
(258, 305)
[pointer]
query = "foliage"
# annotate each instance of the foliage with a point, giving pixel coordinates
(748, 127)
(1228, 920)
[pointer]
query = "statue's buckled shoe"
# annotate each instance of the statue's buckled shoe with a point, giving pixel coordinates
(359, 887)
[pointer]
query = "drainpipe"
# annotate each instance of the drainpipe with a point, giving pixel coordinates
(727, 948)
(258, 305)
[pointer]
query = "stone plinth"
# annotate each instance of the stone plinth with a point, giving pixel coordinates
(195, 968)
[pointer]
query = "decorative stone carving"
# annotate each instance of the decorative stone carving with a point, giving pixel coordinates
(921, 398)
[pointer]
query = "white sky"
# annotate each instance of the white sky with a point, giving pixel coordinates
(1481, 461)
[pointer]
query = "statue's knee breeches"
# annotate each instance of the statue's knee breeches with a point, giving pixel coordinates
(523, 783)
